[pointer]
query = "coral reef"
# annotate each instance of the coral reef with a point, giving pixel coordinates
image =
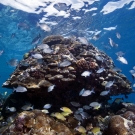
(38, 123)
(59, 71)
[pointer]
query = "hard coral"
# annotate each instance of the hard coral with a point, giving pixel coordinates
(37, 122)
(82, 64)
(119, 125)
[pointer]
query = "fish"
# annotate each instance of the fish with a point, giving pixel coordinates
(19, 89)
(65, 114)
(134, 85)
(95, 130)
(96, 37)
(115, 69)
(83, 40)
(86, 73)
(112, 43)
(118, 100)
(128, 104)
(13, 62)
(43, 46)
(66, 109)
(13, 35)
(84, 115)
(27, 107)
(81, 92)
(23, 25)
(44, 27)
(11, 109)
(65, 63)
(61, 6)
(47, 50)
(79, 110)
(118, 35)
(36, 39)
(50, 88)
(99, 58)
(104, 93)
(80, 129)
(59, 116)
(47, 106)
(5, 93)
(78, 117)
(86, 107)
(37, 56)
(45, 111)
(95, 105)
(76, 104)
(100, 70)
(87, 93)
(122, 60)
(109, 84)
(1, 52)
(120, 53)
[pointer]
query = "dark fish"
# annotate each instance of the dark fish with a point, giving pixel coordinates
(118, 100)
(61, 6)
(13, 35)
(13, 62)
(36, 40)
(23, 25)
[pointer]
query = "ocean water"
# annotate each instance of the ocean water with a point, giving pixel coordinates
(80, 18)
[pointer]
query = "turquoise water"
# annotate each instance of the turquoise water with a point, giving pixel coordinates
(18, 28)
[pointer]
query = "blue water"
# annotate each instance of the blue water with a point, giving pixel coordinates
(123, 18)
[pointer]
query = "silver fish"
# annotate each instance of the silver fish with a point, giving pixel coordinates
(43, 46)
(84, 115)
(76, 104)
(94, 104)
(118, 35)
(1, 52)
(11, 109)
(78, 117)
(47, 50)
(47, 106)
(27, 107)
(44, 27)
(86, 107)
(50, 88)
(87, 93)
(83, 40)
(79, 110)
(81, 92)
(20, 89)
(120, 53)
(86, 73)
(100, 70)
(104, 93)
(99, 58)
(122, 59)
(96, 37)
(65, 63)
(112, 43)
(37, 56)
(109, 84)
